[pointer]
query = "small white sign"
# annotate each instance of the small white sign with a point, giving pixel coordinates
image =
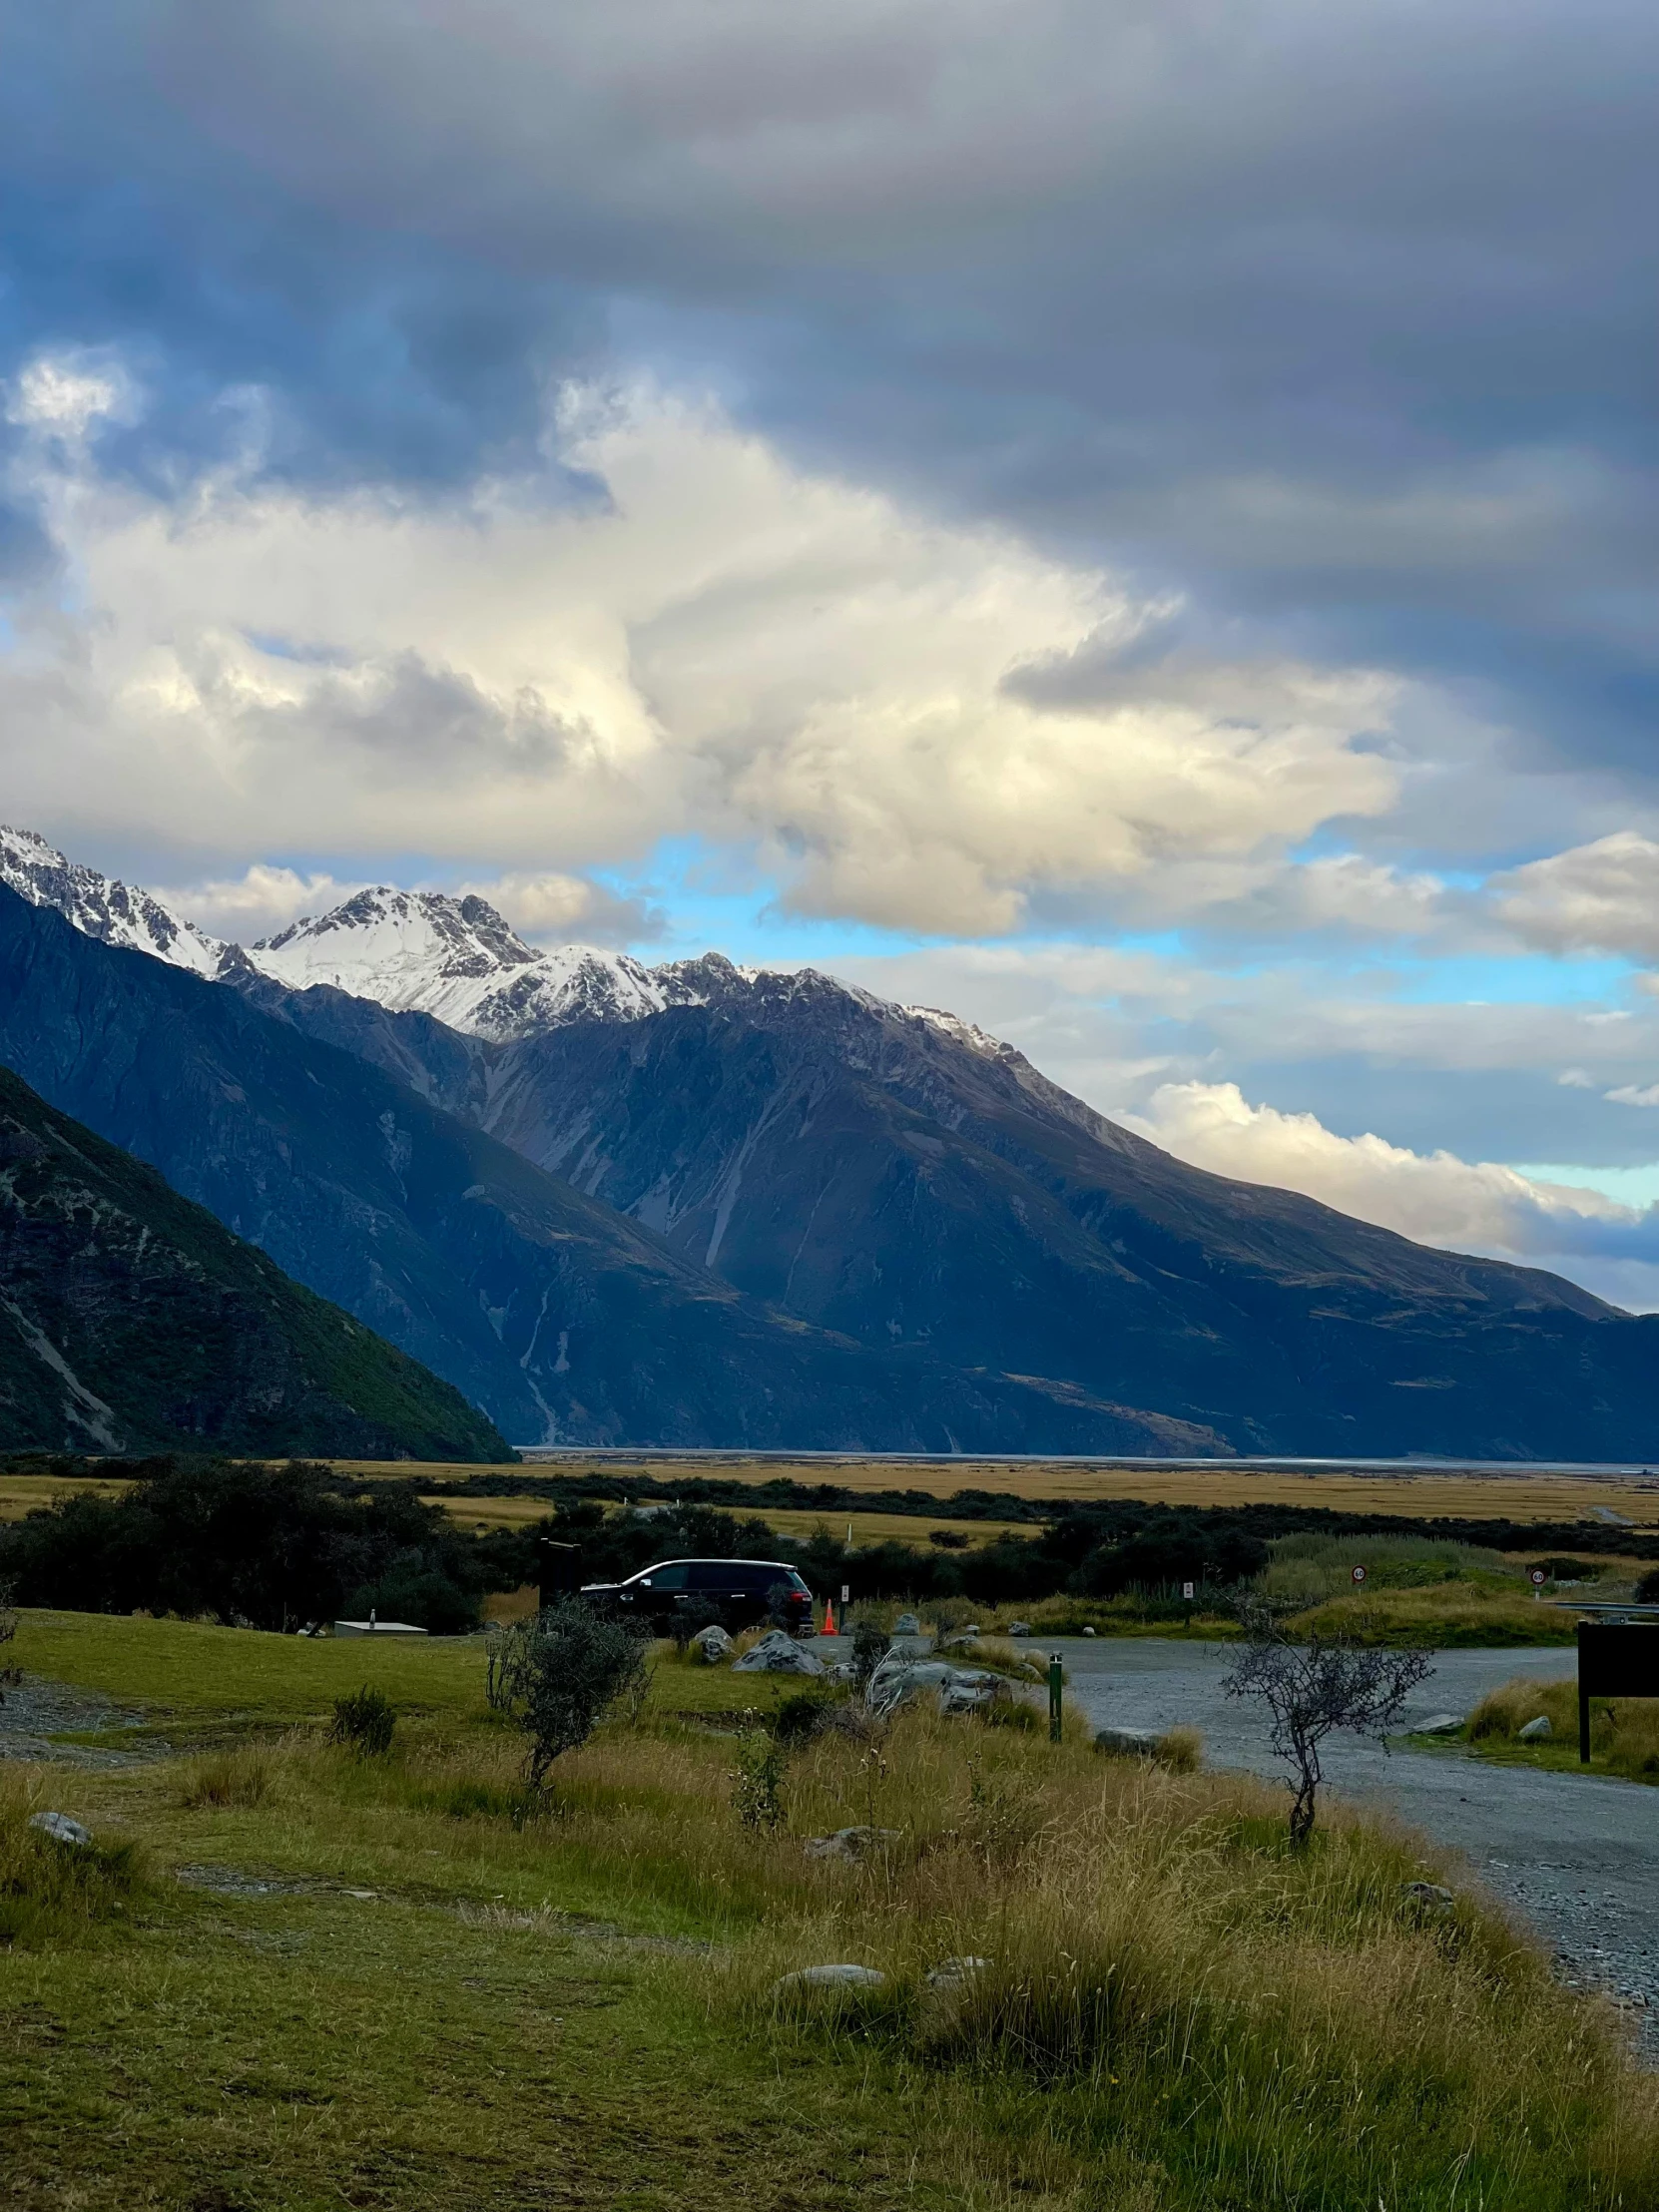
(1187, 1589)
(1358, 1574)
(847, 1591)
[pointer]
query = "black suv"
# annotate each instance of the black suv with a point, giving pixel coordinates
(739, 1591)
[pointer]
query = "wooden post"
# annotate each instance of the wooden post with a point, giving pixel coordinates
(1056, 1683)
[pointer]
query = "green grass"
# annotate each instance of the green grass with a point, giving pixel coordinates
(578, 2007)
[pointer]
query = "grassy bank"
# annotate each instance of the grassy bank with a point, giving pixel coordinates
(1624, 1732)
(379, 1982)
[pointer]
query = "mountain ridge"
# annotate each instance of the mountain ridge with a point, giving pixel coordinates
(133, 1321)
(897, 1180)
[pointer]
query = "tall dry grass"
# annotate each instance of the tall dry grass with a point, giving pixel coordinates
(1624, 1732)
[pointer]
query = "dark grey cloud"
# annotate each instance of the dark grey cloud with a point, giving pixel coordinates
(1339, 321)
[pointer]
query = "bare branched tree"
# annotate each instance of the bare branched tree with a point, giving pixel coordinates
(1309, 1689)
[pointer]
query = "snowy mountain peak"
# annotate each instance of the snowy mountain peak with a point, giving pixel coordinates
(457, 959)
(101, 906)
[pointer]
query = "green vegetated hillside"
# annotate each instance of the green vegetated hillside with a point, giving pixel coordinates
(131, 1320)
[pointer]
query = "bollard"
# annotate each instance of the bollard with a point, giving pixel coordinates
(1056, 1678)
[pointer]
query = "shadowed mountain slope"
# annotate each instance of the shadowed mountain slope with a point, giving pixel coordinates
(133, 1321)
(897, 1177)
(552, 1312)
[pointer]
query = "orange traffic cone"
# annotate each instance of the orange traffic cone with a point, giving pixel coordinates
(829, 1616)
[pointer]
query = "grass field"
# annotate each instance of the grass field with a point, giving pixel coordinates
(479, 1514)
(303, 1978)
(1415, 1495)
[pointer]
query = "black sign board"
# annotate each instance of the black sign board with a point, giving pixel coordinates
(1615, 1659)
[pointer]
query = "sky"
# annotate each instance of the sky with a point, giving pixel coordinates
(1133, 522)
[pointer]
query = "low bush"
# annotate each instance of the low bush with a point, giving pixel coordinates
(561, 1673)
(365, 1722)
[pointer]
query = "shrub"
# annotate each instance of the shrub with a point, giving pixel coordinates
(1181, 1750)
(563, 1673)
(1647, 1590)
(366, 1720)
(268, 1546)
(800, 1717)
(690, 1619)
(758, 1792)
(869, 1648)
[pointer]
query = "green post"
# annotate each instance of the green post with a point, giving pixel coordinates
(1056, 1679)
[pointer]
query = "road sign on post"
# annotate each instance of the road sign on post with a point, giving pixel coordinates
(1537, 1578)
(1187, 1591)
(1358, 1576)
(1615, 1659)
(1056, 1683)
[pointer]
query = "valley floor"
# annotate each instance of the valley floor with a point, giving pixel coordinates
(373, 1981)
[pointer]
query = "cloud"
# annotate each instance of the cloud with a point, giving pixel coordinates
(1435, 1199)
(257, 904)
(1600, 898)
(707, 639)
(549, 908)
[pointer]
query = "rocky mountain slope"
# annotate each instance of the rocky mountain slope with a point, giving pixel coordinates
(892, 1176)
(133, 1321)
(557, 1315)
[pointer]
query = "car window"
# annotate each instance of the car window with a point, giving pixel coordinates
(713, 1574)
(666, 1578)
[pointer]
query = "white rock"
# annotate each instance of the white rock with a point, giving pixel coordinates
(778, 1653)
(951, 1973)
(714, 1644)
(1135, 1743)
(1439, 1724)
(1019, 1628)
(900, 1678)
(1429, 1895)
(906, 1625)
(848, 1843)
(1088, 1631)
(1534, 1731)
(61, 1829)
(830, 1978)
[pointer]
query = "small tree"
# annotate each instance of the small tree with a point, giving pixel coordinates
(566, 1669)
(1309, 1689)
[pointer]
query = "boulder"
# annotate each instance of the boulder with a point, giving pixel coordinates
(830, 1978)
(778, 1653)
(1439, 1724)
(906, 1625)
(1429, 1896)
(900, 1678)
(1088, 1631)
(1019, 1628)
(848, 1843)
(61, 1829)
(1127, 1743)
(713, 1643)
(951, 1973)
(1536, 1731)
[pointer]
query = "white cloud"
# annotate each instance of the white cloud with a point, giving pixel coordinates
(1435, 1198)
(244, 909)
(722, 644)
(1600, 898)
(61, 396)
(1635, 1094)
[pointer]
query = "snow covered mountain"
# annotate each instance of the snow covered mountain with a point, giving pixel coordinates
(101, 906)
(457, 959)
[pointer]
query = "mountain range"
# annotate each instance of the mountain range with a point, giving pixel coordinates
(702, 1203)
(133, 1321)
